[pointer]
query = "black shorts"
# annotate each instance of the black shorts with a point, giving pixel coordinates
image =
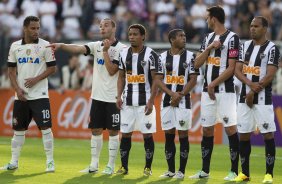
(104, 115)
(38, 109)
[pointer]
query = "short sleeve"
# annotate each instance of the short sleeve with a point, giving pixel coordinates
(12, 62)
(204, 44)
(90, 48)
(233, 47)
(192, 69)
(241, 52)
(121, 65)
(153, 60)
(274, 56)
(49, 55)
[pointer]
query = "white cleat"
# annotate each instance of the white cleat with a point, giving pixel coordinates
(89, 170)
(231, 176)
(200, 175)
(108, 170)
(167, 174)
(50, 166)
(9, 167)
(178, 175)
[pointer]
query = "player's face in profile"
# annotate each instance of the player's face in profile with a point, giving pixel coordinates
(106, 29)
(257, 31)
(209, 21)
(180, 40)
(32, 30)
(135, 37)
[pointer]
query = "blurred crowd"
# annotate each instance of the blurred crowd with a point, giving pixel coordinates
(64, 19)
(69, 20)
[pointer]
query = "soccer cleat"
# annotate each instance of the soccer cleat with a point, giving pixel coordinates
(147, 172)
(178, 175)
(122, 171)
(89, 169)
(108, 170)
(241, 177)
(167, 174)
(231, 176)
(50, 167)
(9, 167)
(200, 175)
(267, 179)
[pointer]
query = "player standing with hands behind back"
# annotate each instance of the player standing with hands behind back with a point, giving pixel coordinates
(30, 63)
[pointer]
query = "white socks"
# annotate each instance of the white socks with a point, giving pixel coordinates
(48, 142)
(113, 150)
(16, 146)
(96, 147)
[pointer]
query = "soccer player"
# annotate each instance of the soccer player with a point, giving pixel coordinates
(180, 77)
(29, 65)
(258, 63)
(219, 51)
(136, 94)
(103, 113)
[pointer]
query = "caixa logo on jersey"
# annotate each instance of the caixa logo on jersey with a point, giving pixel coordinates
(23, 60)
(100, 61)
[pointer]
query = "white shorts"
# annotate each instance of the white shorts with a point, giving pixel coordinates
(133, 118)
(222, 110)
(261, 116)
(174, 117)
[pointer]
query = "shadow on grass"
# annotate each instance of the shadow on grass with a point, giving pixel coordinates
(98, 178)
(11, 177)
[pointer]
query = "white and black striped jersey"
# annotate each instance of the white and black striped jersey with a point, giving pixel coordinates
(256, 58)
(217, 61)
(176, 70)
(137, 68)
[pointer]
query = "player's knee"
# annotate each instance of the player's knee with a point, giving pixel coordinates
(208, 131)
(126, 135)
(97, 131)
(183, 133)
(268, 136)
(113, 132)
(231, 130)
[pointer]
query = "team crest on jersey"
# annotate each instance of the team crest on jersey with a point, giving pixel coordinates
(225, 119)
(262, 55)
(222, 47)
(181, 122)
(185, 65)
(148, 125)
(143, 63)
(265, 126)
(28, 52)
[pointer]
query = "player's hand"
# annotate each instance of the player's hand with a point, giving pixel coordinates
(55, 46)
(214, 45)
(256, 87)
(20, 93)
(107, 45)
(176, 98)
(30, 82)
(250, 99)
(149, 107)
(119, 103)
(211, 91)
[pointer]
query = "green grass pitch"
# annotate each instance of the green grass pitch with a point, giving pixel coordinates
(71, 156)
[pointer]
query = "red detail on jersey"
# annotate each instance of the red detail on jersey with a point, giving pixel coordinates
(233, 53)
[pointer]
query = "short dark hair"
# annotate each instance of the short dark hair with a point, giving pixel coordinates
(217, 12)
(29, 19)
(112, 22)
(141, 28)
(172, 34)
(264, 21)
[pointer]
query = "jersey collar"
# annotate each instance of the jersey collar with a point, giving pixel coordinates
(35, 41)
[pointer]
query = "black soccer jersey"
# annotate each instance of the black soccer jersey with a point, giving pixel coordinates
(217, 61)
(256, 58)
(176, 70)
(137, 67)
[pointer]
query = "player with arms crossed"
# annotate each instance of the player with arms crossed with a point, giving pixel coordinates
(30, 63)
(180, 76)
(103, 113)
(258, 63)
(219, 51)
(136, 94)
